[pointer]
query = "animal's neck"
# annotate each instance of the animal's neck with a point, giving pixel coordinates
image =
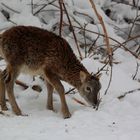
(72, 75)
(71, 66)
(75, 80)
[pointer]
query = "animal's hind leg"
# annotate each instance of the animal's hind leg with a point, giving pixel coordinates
(50, 96)
(9, 84)
(2, 93)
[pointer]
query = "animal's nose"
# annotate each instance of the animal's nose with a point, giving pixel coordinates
(95, 104)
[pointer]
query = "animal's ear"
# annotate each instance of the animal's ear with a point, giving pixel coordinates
(83, 76)
(99, 75)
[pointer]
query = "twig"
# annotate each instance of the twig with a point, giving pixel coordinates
(34, 87)
(7, 16)
(75, 20)
(61, 17)
(121, 45)
(76, 12)
(1, 113)
(78, 101)
(111, 72)
(12, 22)
(4, 114)
(138, 50)
(125, 3)
(71, 26)
(102, 68)
(37, 88)
(133, 24)
(130, 39)
(109, 50)
(85, 40)
(110, 79)
(75, 99)
(32, 4)
(70, 91)
(43, 7)
(134, 3)
(137, 68)
(120, 29)
(93, 44)
(10, 8)
(128, 92)
(21, 84)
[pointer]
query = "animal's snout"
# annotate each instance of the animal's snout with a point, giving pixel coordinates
(96, 100)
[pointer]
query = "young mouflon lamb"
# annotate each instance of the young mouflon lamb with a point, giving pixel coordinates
(40, 52)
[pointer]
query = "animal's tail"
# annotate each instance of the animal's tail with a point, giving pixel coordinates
(0, 40)
(1, 54)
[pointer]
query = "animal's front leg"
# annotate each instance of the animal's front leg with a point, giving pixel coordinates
(2, 93)
(55, 82)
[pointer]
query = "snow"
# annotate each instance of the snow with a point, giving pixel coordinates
(114, 120)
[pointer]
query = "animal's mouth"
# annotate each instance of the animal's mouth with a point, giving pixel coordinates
(95, 105)
(91, 104)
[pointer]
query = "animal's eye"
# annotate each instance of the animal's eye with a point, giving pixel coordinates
(88, 89)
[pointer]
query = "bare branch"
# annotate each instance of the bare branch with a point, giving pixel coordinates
(121, 45)
(128, 92)
(32, 6)
(137, 68)
(78, 101)
(105, 31)
(10, 8)
(133, 24)
(21, 84)
(70, 91)
(43, 7)
(110, 79)
(71, 26)
(61, 17)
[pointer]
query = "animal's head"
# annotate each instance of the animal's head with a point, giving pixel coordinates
(90, 87)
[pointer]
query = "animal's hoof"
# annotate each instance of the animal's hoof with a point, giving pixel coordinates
(66, 115)
(21, 114)
(18, 112)
(4, 108)
(25, 115)
(50, 108)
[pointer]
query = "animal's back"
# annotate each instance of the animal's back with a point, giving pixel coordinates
(35, 47)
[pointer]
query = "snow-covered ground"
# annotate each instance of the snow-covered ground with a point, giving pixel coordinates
(114, 120)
